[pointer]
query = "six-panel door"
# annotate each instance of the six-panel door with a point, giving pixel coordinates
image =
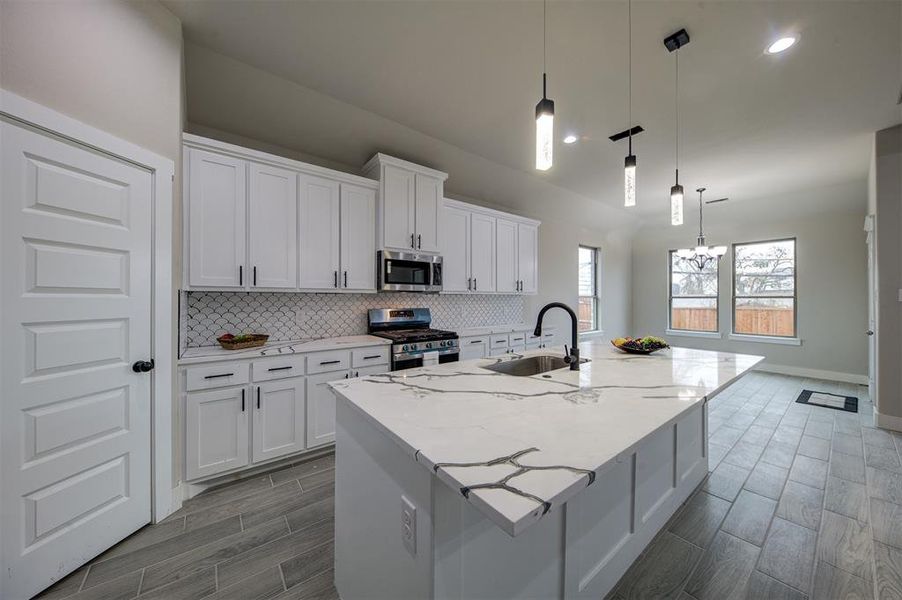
(273, 232)
(319, 209)
(279, 418)
(216, 429)
(358, 238)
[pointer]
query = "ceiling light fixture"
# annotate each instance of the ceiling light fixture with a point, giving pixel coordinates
(702, 254)
(629, 163)
(673, 43)
(544, 111)
(571, 139)
(784, 43)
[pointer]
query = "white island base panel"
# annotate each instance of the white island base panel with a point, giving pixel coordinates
(580, 549)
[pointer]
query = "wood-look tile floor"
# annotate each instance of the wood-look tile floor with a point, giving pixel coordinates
(801, 502)
(267, 536)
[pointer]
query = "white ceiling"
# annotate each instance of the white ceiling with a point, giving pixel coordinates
(469, 73)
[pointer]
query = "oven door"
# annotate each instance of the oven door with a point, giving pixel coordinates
(414, 360)
(409, 272)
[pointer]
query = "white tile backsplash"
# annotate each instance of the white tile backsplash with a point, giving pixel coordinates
(293, 316)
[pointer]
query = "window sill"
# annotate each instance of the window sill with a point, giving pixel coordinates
(591, 334)
(766, 339)
(713, 335)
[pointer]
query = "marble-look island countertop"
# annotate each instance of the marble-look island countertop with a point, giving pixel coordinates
(214, 353)
(516, 447)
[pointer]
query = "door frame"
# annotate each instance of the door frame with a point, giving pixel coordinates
(162, 171)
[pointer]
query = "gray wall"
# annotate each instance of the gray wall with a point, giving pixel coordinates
(831, 258)
(886, 197)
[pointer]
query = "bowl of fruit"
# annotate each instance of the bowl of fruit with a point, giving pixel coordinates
(643, 345)
(242, 340)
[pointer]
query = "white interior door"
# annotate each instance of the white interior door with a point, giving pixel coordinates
(273, 233)
(872, 309)
(482, 252)
(319, 233)
(75, 261)
(358, 238)
(455, 244)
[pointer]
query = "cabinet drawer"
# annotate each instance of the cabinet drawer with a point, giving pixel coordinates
(322, 362)
(472, 341)
(277, 368)
(499, 341)
(218, 375)
(364, 357)
(517, 339)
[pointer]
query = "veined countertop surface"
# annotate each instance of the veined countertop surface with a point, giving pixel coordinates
(517, 447)
(215, 353)
(493, 329)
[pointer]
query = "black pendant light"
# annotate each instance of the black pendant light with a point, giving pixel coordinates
(544, 112)
(673, 43)
(629, 163)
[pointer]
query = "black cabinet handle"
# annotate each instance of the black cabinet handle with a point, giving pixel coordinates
(411, 241)
(469, 283)
(255, 276)
(330, 362)
(335, 278)
(346, 279)
(242, 399)
(258, 397)
(218, 376)
(476, 341)
(346, 376)
(279, 368)
(419, 241)
(474, 285)
(372, 356)
(240, 275)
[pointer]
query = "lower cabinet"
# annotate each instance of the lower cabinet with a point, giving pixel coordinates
(321, 408)
(279, 421)
(472, 348)
(217, 431)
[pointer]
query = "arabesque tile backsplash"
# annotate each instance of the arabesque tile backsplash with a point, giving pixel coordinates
(294, 316)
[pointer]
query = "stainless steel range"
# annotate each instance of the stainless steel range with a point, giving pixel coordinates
(412, 337)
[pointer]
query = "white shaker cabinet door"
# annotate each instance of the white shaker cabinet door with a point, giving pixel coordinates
(279, 418)
(321, 408)
(358, 238)
(273, 233)
(428, 206)
(398, 208)
(482, 252)
(217, 195)
(455, 246)
(472, 348)
(319, 246)
(506, 244)
(528, 257)
(216, 431)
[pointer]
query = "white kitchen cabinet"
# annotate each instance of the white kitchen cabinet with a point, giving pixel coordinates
(507, 277)
(358, 238)
(428, 202)
(217, 214)
(528, 258)
(279, 418)
(398, 208)
(319, 246)
(474, 347)
(364, 371)
(518, 257)
(216, 431)
(321, 407)
(273, 227)
(482, 252)
(455, 244)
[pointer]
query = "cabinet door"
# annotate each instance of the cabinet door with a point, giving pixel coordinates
(358, 238)
(455, 245)
(428, 206)
(217, 194)
(482, 252)
(279, 418)
(528, 257)
(506, 256)
(273, 232)
(321, 408)
(319, 245)
(216, 431)
(398, 208)
(471, 348)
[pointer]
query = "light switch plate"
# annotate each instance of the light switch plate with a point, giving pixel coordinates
(409, 525)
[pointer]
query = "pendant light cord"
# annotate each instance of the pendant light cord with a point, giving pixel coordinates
(630, 67)
(544, 43)
(676, 96)
(701, 235)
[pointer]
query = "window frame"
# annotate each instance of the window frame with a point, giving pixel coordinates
(691, 332)
(795, 294)
(596, 285)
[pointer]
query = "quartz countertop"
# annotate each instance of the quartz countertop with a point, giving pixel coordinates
(498, 329)
(215, 353)
(517, 447)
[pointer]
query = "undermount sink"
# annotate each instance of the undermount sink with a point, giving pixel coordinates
(533, 365)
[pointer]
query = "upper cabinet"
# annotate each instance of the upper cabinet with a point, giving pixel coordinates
(358, 237)
(273, 231)
(409, 206)
(320, 208)
(487, 251)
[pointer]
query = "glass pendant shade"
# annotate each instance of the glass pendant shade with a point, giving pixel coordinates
(676, 205)
(544, 133)
(629, 181)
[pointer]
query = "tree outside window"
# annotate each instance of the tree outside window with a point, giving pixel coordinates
(764, 288)
(693, 295)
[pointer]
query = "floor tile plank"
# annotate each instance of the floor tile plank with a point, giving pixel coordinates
(788, 553)
(810, 471)
(830, 582)
(726, 481)
(308, 564)
(724, 569)
(700, 519)
(767, 480)
(749, 517)
(889, 572)
(847, 498)
(846, 543)
(661, 572)
(764, 587)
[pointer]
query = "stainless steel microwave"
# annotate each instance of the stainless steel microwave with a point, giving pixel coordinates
(408, 272)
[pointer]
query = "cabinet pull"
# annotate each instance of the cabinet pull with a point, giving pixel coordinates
(469, 283)
(346, 279)
(475, 287)
(258, 397)
(411, 241)
(372, 356)
(255, 276)
(218, 376)
(419, 241)
(242, 399)
(335, 278)
(475, 341)
(280, 368)
(240, 275)
(330, 362)
(346, 375)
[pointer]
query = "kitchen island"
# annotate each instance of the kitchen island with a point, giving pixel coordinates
(457, 481)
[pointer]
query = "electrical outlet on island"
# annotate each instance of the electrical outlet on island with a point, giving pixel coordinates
(409, 525)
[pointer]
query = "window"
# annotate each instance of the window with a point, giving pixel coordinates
(693, 295)
(764, 288)
(589, 298)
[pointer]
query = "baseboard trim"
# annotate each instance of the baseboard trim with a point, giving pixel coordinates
(814, 373)
(887, 421)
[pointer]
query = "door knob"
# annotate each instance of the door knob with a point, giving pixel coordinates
(143, 366)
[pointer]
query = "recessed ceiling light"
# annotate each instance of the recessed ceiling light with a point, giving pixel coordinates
(571, 139)
(782, 44)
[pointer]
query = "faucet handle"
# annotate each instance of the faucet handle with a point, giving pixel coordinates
(567, 358)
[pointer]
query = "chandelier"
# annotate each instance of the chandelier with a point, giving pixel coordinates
(702, 254)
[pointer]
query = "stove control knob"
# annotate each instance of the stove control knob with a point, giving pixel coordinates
(404, 348)
(429, 344)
